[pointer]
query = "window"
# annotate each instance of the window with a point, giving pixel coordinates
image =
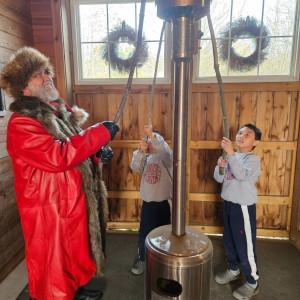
(101, 59)
(267, 50)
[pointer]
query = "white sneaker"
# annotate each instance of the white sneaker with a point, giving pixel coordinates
(245, 292)
(138, 268)
(225, 277)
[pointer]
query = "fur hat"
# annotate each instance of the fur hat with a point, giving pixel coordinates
(21, 66)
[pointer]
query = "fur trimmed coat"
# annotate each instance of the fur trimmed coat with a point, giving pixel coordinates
(61, 199)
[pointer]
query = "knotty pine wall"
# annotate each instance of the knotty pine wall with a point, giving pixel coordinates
(15, 32)
(275, 112)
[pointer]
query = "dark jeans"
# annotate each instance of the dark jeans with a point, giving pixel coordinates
(153, 215)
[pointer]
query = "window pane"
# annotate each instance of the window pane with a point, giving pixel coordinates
(220, 16)
(92, 23)
(152, 24)
(147, 70)
(114, 73)
(93, 66)
(278, 16)
(97, 22)
(278, 61)
(244, 8)
(243, 22)
(117, 13)
(243, 59)
(206, 64)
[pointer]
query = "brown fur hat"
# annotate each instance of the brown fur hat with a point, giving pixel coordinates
(21, 66)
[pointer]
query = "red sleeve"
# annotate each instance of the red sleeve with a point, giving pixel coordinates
(29, 141)
(96, 159)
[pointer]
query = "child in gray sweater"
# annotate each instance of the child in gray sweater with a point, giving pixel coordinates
(242, 169)
(155, 187)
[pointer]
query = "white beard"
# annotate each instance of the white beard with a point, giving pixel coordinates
(43, 94)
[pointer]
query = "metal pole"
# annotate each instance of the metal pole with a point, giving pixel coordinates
(182, 55)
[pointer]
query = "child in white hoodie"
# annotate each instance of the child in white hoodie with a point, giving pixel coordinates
(155, 187)
(242, 169)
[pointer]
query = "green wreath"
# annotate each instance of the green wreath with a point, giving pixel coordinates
(244, 28)
(112, 53)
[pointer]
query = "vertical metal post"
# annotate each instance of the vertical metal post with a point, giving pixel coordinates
(182, 55)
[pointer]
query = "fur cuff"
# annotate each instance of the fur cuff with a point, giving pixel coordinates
(80, 115)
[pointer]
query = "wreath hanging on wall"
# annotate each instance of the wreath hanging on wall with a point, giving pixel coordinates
(242, 28)
(119, 58)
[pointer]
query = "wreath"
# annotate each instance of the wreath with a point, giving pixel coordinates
(112, 53)
(242, 28)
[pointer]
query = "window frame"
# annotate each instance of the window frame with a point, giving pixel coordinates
(76, 41)
(295, 64)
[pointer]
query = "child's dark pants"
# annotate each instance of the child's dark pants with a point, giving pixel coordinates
(153, 215)
(239, 238)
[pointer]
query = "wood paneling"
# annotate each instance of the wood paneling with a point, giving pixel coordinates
(275, 113)
(104, 107)
(295, 217)
(124, 210)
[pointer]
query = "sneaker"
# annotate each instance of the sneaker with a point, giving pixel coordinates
(225, 277)
(245, 292)
(138, 268)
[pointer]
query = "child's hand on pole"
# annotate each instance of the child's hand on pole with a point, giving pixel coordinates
(148, 130)
(226, 144)
(221, 162)
(143, 145)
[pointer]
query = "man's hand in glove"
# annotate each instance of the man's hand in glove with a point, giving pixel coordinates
(105, 155)
(112, 127)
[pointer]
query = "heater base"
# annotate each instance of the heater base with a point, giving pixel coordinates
(178, 267)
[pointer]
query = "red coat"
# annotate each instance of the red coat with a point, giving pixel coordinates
(52, 205)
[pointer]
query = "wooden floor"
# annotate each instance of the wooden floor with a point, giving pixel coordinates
(278, 262)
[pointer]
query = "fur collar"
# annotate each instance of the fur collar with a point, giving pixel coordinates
(35, 108)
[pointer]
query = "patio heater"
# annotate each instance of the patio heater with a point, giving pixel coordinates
(178, 257)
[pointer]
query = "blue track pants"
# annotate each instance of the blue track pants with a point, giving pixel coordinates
(239, 238)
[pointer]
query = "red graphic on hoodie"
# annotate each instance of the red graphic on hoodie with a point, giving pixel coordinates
(152, 173)
(228, 173)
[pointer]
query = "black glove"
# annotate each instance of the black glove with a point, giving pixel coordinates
(105, 155)
(112, 127)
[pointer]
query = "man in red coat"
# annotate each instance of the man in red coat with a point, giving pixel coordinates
(56, 181)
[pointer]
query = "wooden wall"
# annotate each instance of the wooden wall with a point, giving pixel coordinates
(274, 108)
(295, 222)
(15, 32)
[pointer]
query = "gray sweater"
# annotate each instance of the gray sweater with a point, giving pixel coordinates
(156, 182)
(241, 173)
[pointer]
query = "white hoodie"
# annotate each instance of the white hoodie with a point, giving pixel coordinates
(156, 182)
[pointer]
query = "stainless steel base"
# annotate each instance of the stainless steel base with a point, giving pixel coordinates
(178, 267)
